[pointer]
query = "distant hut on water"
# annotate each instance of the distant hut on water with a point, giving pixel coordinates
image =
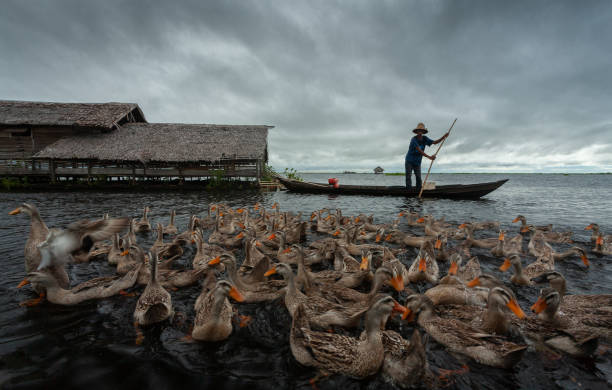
(378, 170)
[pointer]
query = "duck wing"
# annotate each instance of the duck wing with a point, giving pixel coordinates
(90, 232)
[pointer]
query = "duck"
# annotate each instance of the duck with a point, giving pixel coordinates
(97, 288)
(155, 303)
(334, 353)
(315, 305)
(213, 312)
(549, 236)
(486, 243)
(454, 292)
(596, 232)
(143, 226)
(114, 254)
(252, 291)
(568, 334)
(602, 247)
(573, 251)
(592, 311)
(205, 252)
(498, 250)
(171, 229)
(537, 246)
(523, 221)
(186, 237)
(405, 363)
(32, 256)
(522, 276)
(424, 267)
(440, 246)
(169, 251)
(406, 239)
(130, 236)
(130, 258)
(459, 328)
(63, 245)
(463, 274)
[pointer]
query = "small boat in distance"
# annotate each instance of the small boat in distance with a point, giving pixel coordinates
(453, 191)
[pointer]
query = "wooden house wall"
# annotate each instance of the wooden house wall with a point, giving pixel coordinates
(24, 142)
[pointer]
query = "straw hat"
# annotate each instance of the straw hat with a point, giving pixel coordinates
(420, 129)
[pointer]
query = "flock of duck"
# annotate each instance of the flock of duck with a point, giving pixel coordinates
(340, 278)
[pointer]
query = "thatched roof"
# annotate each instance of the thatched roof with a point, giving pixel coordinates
(80, 115)
(164, 142)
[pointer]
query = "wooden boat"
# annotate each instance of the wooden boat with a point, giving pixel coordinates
(453, 191)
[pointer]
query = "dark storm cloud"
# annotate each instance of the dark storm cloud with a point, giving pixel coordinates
(343, 82)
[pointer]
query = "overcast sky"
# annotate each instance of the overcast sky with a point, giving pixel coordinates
(344, 82)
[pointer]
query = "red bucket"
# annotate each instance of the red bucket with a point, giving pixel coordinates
(332, 181)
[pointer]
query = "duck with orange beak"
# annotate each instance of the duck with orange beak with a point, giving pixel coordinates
(354, 357)
(602, 247)
(213, 312)
(573, 311)
(461, 273)
(455, 326)
(424, 268)
(32, 256)
(565, 333)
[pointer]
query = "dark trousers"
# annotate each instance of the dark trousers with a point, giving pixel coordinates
(417, 173)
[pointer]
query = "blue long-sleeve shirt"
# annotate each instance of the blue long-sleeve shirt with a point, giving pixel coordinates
(413, 156)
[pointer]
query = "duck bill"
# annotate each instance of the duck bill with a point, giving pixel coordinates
(599, 240)
(515, 220)
(241, 225)
(378, 238)
(422, 265)
(590, 227)
(357, 219)
(474, 282)
(539, 306)
(24, 282)
(257, 244)
(516, 309)
(236, 295)
(504, 267)
(585, 260)
(124, 253)
(524, 229)
(287, 250)
(397, 308)
(312, 216)
(16, 211)
(438, 244)
(272, 236)
(420, 220)
(240, 211)
(398, 283)
(401, 214)
(271, 271)
(462, 226)
(336, 233)
(408, 315)
(215, 261)
(453, 268)
(388, 237)
(501, 237)
(365, 263)
(240, 235)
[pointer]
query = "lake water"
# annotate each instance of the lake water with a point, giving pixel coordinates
(92, 345)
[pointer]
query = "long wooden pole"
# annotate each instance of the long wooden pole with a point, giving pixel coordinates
(436, 154)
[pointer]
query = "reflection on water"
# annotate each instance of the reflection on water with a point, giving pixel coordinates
(92, 345)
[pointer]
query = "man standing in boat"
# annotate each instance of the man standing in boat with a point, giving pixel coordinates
(416, 151)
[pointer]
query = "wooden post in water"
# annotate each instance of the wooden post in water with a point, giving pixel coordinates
(432, 161)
